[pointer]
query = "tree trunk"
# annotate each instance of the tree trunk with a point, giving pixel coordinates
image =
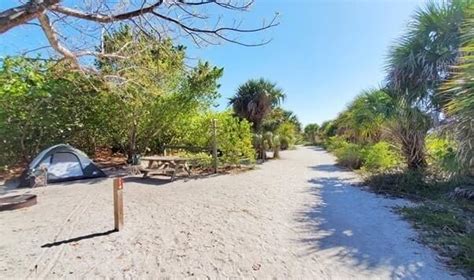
(132, 142)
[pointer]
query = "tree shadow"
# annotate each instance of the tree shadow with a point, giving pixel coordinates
(155, 180)
(13, 187)
(328, 168)
(315, 148)
(352, 227)
(77, 239)
(79, 181)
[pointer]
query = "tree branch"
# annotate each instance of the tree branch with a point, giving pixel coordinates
(23, 13)
(53, 39)
(102, 18)
(178, 15)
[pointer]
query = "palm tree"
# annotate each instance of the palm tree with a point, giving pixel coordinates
(365, 116)
(459, 94)
(407, 131)
(255, 99)
(422, 58)
(311, 131)
(417, 65)
(277, 116)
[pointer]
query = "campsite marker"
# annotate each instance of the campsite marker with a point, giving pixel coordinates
(118, 203)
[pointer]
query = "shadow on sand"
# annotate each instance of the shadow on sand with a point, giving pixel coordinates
(77, 239)
(327, 168)
(159, 180)
(346, 224)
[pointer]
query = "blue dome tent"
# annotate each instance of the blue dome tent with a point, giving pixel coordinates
(63, 163)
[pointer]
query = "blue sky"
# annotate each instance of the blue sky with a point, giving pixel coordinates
(323, 53)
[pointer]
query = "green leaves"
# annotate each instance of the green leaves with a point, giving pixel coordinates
(458, 96)
(255, 99)
(422, 58)
(364, 118)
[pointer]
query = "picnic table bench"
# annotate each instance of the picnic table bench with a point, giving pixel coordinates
(164, 165)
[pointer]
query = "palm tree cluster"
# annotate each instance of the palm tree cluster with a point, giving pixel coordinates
(428, 86)
(258, 101)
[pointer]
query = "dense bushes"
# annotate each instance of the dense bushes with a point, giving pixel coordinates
(44, 104)
(41, 107)
(371, 158)
(350, 155)
(381, 157)
(288, 135)
(234, 138)
(442, 156)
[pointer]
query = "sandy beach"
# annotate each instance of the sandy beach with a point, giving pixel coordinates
(294, 218)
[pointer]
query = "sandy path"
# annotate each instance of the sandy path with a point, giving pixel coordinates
(294, 218)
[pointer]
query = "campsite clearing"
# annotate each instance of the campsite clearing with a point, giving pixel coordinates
(294, 218)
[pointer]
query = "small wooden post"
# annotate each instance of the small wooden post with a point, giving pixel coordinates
(214, 145)
(118, 203)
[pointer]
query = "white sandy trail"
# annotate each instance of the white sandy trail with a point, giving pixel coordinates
(295, 218)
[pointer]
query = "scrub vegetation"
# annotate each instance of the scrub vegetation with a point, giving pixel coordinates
(137, 106)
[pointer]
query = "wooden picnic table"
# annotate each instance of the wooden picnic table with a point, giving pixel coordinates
(164, 164)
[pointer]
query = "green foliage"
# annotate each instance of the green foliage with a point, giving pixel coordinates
(442, 155)
(137, 105)
(235, 139)
(42, 106)
(328, 129)
(335, 142)
(276, 141)
(350, 155)
(255, 99)
(234, 136)
(458, 94)
(155, 92)
(288, 134)
(311, 133)
(277, 117)
(417, 65)
(409, 183)
(363, 120)
(407, 131)
(422, 58)
(381, 157)
(446, 228)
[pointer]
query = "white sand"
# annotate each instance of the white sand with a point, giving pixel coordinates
(293, 218)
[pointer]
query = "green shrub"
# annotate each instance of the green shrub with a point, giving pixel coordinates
(350, 155)
(381, 157)
(441, 155)
(234, 136)
(234, 139)
(288, 135)
(335, 142)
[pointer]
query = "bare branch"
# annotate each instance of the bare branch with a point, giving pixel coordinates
(102, 18)
(53, 39)
(157, 18)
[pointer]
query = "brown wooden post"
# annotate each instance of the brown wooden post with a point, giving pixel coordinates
(118, 203)
(214, 145)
